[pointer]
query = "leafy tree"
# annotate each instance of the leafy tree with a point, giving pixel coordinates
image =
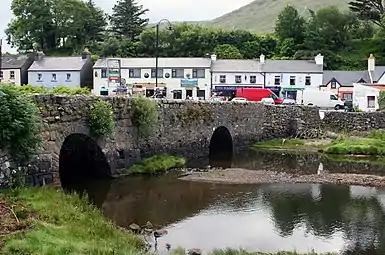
(96, 23)
(227, 51)
(126, 19)
(371, 10)
(290, 25)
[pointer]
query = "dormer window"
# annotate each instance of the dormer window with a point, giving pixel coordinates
(333, 84)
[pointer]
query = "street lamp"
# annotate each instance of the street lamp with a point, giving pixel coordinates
(157, 47)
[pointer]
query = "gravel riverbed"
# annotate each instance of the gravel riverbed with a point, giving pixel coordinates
(244, 176)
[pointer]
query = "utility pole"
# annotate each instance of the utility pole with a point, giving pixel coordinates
(157, 47)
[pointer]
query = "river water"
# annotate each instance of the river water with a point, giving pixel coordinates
(267, 218)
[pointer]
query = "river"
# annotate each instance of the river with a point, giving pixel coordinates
(267, 218)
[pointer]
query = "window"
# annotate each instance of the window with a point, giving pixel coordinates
(160, 73)
(347, 96)
(68, 78)
(177, 73)
(333, 97)
(274, 96)
(371, 101)
(12, 74)
(53, 77)
(104, 73)
(277, 80)
(199, 73)
(135, 73)
(333, 84)
(292, 80)
(238, 79)
(201, 94)
(253, 79)
(307, 80)
(1, 75)
(189, 93)
(222, 78)
(177, 94)
(39, 77)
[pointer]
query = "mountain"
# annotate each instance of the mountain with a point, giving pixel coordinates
(260, 15)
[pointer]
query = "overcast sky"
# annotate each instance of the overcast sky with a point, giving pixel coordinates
(175, 10)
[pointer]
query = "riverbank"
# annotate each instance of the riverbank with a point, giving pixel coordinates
(244, 176)
(47, 221)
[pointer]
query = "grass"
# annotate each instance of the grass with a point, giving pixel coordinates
(260, 15)
(373, 144)
(65, 224)
(157, 164)
(280, 144)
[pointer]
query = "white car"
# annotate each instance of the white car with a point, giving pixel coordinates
(239, 99)
(267, 101)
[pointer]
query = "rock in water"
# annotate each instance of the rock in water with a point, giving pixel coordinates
(135, 227)
(194, 252)
(160, 233)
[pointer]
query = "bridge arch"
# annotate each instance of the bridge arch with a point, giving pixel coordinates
(81, 159)
(221, 148)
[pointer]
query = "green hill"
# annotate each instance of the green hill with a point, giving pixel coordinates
(260, 15)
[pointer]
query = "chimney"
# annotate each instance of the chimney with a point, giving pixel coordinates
(39, 56)
(319, 59)
(86, 54)
(371, 63)
(213, 57)
(262, 59)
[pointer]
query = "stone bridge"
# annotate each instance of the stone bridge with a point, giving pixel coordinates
(190, 129)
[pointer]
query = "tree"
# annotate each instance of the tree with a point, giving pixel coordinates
(227, 51)
(96, 23)
(371, 10)
(290, 25)
(126, 19)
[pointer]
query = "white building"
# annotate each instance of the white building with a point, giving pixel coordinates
(366, 97)
(278, 75)
(180, 77)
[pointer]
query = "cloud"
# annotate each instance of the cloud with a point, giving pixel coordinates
(175, 10)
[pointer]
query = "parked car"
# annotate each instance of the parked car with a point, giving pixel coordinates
(289, 101)
(239, 99)
(323, 99)
(257, 94)
(267, 101)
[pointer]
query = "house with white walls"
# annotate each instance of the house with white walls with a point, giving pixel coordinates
(178, 78)
(341, 82)
(365, 97)
(50, 72)
(14, 68)
(278, 75)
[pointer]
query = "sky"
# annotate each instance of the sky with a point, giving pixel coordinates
(174, 10)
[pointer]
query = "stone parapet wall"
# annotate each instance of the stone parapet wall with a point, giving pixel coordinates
(353, 121)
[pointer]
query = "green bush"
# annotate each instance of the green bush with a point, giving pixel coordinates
(357, 146)
(157, 163)
(59, 90)
(20, 125)
(102, 119)
(144, 115)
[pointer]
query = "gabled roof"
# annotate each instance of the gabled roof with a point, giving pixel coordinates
(58, 64)
(162, 63)
(378, 72)
(291, 66)
(13, 62)
(346, 78)
(236, 65)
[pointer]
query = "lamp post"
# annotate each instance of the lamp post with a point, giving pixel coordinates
(157, 47)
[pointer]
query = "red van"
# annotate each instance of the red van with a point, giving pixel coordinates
(256, 94)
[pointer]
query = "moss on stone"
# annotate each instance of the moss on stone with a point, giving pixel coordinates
(157, 164)
(195, 112)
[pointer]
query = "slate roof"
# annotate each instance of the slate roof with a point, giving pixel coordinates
(13, 62)
(162, 62)
(345, 78)
(235, 65)
(291, 66)
(378, 72)
(58, 64)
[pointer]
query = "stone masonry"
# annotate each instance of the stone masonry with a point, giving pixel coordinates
(176, 132)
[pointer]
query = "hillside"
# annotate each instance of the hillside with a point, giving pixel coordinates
(260, 15)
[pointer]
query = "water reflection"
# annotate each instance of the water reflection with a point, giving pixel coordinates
(327, 218)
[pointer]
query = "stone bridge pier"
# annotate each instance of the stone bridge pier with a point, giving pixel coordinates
(189, 129)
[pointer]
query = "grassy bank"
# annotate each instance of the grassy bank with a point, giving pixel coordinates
(292, 144)
(56, 223)
(372, 144)
(157, 164)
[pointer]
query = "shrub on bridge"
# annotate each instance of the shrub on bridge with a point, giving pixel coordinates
(20, 125)
(144, 115)
(101, 119)
(59, 90)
